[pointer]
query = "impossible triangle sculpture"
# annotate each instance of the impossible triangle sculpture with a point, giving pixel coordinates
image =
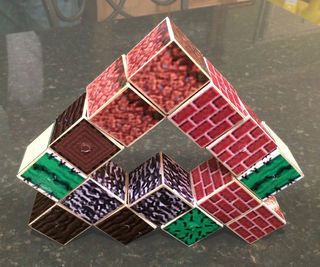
(163, 76)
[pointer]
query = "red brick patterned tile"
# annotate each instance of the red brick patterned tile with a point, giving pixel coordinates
(127, 117)
(225, 87)
(210, 174)
(106, 85)
(258, 222)
(243, 147)
(228, 203)
(206, 116)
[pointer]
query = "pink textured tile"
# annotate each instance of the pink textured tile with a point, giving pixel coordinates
(166, 67)
(106, 85)
(148, 47)
(127, 117)
(169, 78)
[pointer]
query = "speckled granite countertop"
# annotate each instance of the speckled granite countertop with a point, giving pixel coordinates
(277, 73)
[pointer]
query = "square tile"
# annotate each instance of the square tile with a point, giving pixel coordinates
(91, 202)
(226, 88)
(206, 116)
(52, 175)
(85, 147)
(59, 225)
(219, 193)
(192, 227)
(161, 206)
(40, 205)
(258, 222)
(69, 117)
(242, 147)
(112, 177)
(125, 226)
(105, 86)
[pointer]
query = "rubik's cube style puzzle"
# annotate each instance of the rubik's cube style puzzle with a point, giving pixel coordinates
(163, 76)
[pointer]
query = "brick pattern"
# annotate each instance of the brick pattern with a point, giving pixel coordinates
(243, 147)
(206, 117)
(208, 177)
(256, 224)
(105, 86)
(225, 87)
(230, 202)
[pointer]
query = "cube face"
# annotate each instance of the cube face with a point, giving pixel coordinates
(230, 202)
(226, 88)
(52, 175)
(206, 116)
(85, 147)
(256, 224)
(127, 117)
(274, 174)
(150, 45)
(192, 227)
(91, 202)
(169, 78)
(112, 177)
(125, 226)
(105, 86)
(187, 45)
(176, 178)
(161, 206)
(59, 225)
(69, 117)
(145, 178)
(208, 177)
(40, 205)
(242, 147)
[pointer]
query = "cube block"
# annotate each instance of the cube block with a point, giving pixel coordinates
(161, 206)
(192, 226)
(259, 222)
(125, 225)
(60, 225)
(219, 193)
(117, 109)
(159, 170)
(240, 148)
(274, 172)
(166, 67)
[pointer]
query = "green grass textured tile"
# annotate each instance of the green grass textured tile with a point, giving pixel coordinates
(192, 227)
(52, 176)
(271, 177)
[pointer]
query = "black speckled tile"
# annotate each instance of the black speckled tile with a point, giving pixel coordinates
(278, 77)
